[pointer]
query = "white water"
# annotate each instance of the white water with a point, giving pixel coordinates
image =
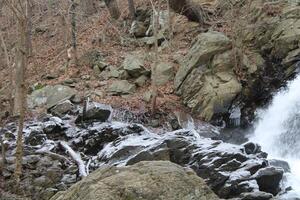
(278, 131)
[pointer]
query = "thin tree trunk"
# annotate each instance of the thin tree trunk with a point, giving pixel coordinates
(113, 8)
(21, 65)
(73, 31)
(131, 8)
(154, 71)
(170, 21)
(29, 6)
(10, 67)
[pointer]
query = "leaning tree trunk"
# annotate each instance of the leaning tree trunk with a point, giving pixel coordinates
(113, 8)
(29, 6)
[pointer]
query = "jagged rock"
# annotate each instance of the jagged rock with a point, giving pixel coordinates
(268, 179)
(92, 58)
(50, 96)
(96, 112)
(62, 109)
(134, 66)
(164, 72)
(120, 87)
(145, 180)
(140, 81)
(205, 79)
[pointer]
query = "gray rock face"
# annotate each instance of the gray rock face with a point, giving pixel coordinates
(145, 181)
(96, 112)
(205, 79)
(134, 66)
(62, 108)
(50, 96)
(120, 87)
(164, 72)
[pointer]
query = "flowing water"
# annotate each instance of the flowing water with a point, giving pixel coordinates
(278, 132)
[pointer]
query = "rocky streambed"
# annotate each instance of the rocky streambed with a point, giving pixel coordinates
(59, 151)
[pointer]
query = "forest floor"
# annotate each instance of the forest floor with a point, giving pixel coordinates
(49, 54)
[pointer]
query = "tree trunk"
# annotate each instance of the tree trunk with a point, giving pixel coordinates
(11, 69)
(113, 8)
(131, 8)
(74, 30)
(21, 64)
(29, 7)
(154, 71)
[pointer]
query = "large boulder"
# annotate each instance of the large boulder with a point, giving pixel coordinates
(50, 96)
(164, 72)
(121, 87)
(206, 79)
(145, 181)
(134, 66)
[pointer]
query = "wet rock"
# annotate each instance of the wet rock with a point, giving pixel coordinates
(36, 138)
(96, 112)
(252, 148)
(121, 87)
(269, 179)
(280, 163)
(62, 109)
(145, 180)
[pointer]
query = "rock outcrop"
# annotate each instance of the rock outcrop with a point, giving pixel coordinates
(219, 76)
(145, 181)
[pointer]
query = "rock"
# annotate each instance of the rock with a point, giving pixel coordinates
(147, 96)
(36, 138)
(269, 179)
(205, 79)
(206, 46)
(252, 148)
(134, 66)
(62, 109)
(280, 163)
(257, 195)
(138, 29)
(50, 96)
(145, 180)
(92, 58)
(164, 72)
(120, 87)
(96, 112)
(140, 81)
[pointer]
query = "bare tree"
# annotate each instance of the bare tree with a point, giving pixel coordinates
(11, 69)
(156, 12)
(113, 8)
(131, 8)
(73, 49)
(19, 10)
(29, 6)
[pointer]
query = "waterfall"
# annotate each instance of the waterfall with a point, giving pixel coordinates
(278, 131)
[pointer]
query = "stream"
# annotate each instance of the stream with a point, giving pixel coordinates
(278, 132)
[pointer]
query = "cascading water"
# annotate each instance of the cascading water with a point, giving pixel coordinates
(278, 132)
